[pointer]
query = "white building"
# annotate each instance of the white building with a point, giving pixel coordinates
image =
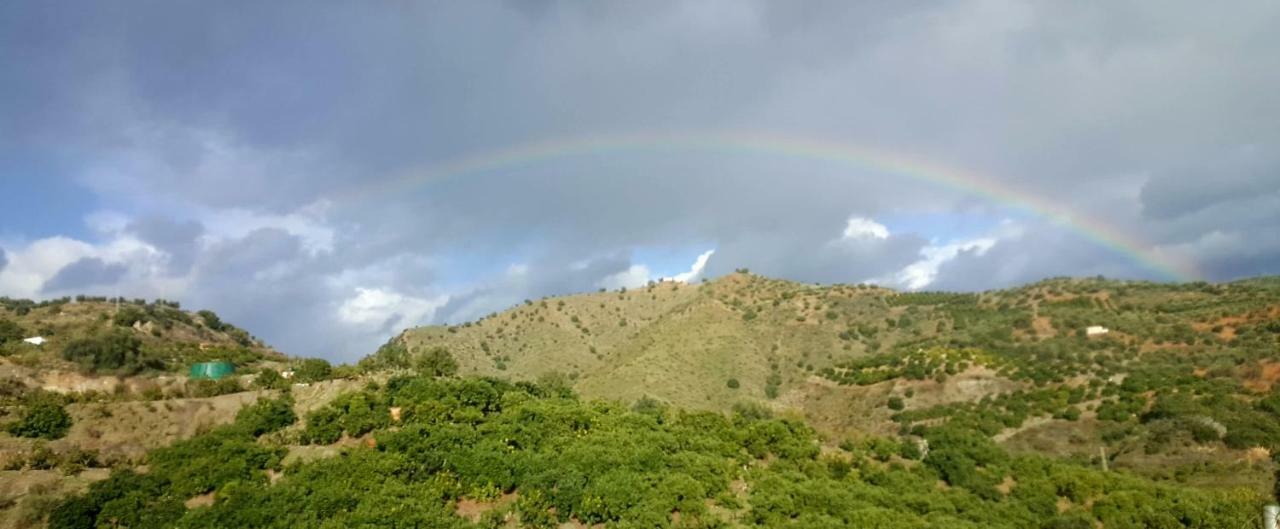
(1096, 330)
(36, 340)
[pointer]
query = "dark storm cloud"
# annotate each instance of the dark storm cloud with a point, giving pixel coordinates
(1230, 178)
(84, 273)
(547, 277)
(1045, 251)
(1133, 114)
(179, 239)
(818, 256)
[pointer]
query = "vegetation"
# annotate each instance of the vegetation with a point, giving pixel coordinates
(560, 459)
(45, 417)
(992, 409)
(312, 370)
(114, 352)
(9, 331)
(437, 362)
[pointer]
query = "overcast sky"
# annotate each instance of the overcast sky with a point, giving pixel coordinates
(326, 174)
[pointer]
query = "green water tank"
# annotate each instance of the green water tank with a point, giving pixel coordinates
(212, 370)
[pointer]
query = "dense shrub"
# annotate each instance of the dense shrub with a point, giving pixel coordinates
(266, 415)
(312, 370)
(437, 362)
(117, 351)
(9, 332)
(44, 418)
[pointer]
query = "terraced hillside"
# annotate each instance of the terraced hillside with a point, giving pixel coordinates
(156, 337)
(1177, 386)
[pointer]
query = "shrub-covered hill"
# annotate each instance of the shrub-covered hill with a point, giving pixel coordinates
(100, 336)
(487, 453)
(1179, 387)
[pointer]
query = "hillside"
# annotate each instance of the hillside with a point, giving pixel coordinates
(109, 383)
(740, 402)
(97, 344)
(1177, 387)
(422, 451)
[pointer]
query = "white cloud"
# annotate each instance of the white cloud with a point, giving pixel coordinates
(696, 270)
(864, 228)
(634, 276)
(375, 309)
(307, 223)
(518, 270)
(32, 264)
(924, 272)
(921, 273)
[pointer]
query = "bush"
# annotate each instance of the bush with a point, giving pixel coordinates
(269, 379)
(313, 370)
(437, 363)
(212, 388)
(44, 418)
(266, 415)
(211, 320)
(732, 383)
(127, 316)
(9, 332)
(116, 351)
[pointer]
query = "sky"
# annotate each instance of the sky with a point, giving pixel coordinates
(326, 174)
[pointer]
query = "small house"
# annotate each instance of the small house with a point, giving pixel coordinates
(1096, 330)
(35, 340)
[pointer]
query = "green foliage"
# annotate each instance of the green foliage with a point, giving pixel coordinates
(268, 378)
(391, 355)
(437, 362)
(211, 320)
(313, 370)
(600, 463)
(116, 351)
(10, 331)
(732, 383)
(266, 415)
(205, 388)
(44, 417)
(206, 462)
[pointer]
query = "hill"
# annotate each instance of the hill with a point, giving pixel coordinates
(422, 451)
(98, 344)
(1177, 386)
(740, 402)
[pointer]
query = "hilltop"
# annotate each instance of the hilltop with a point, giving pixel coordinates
(739, 402)
(1171, 383)
(88, 343)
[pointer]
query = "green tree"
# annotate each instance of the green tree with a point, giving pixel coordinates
(266, 415)
(269, 379)
(437, 363)
(115, 351)
(313, 370)
(9, 332)
(44, 418)
(211, 320)
(127, 316)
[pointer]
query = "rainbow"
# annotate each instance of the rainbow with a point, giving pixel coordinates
(1167, 267)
